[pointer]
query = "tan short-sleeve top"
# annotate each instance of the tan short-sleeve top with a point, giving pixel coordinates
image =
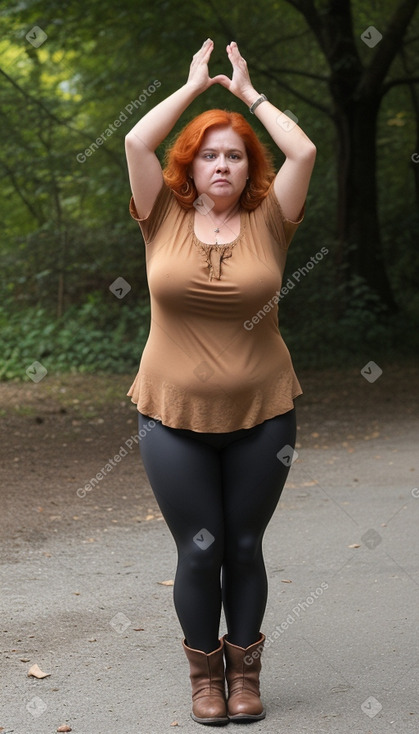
(215, 360)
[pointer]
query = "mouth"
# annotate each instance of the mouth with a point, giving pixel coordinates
(221, 180)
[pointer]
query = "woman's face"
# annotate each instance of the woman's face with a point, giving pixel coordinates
(220, 167)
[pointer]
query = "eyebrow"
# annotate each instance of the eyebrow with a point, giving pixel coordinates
(214, 150)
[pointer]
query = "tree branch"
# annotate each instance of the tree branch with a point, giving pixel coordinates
(265, 47)
(333, 30)
(272, 75)
(300, 5)
(56, 119)
(34, 211)
(307, 74)
(309, 12)
(386, 50)
(396, 82)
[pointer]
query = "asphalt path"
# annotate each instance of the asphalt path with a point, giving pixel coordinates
(82, 597)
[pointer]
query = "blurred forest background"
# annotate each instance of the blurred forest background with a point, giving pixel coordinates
(70, 73)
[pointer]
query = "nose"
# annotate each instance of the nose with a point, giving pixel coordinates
(222, 164)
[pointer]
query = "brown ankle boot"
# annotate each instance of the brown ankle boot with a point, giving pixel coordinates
(243, 667)
(208, 686)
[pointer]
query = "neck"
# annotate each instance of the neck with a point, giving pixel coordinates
(224, 210)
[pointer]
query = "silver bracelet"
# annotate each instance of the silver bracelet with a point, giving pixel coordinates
(259, 101)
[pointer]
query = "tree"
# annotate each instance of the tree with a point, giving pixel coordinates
(357, 89)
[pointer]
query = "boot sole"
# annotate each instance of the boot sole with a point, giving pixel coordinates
(214, 721)
(243, 718)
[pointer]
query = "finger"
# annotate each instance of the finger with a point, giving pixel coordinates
(221, 79)
(230, 55)
(206, 47)
(234, 53)
(206, 52)
(233, 47)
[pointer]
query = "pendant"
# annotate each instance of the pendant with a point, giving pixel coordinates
(217, 230)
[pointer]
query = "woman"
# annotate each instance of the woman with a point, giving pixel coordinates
(217, 223)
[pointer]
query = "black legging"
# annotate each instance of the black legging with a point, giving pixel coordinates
(217, 493)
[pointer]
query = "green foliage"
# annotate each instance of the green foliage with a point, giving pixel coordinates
(97, 336)
(330, 336)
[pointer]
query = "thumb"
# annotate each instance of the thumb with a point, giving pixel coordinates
(221, 79)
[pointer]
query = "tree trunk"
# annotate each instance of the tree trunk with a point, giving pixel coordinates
(360, 250)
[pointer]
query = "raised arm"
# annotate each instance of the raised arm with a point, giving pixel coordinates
(293, 178)
(144, 169)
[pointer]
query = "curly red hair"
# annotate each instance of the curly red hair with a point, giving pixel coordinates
(181, 154)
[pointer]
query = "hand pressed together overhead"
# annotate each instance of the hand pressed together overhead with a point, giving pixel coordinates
(240, 84)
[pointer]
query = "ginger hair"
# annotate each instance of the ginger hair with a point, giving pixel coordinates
(181, 153)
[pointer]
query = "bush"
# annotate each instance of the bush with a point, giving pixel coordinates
(96, 336)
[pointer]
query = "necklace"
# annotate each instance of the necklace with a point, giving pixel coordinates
(217, 229)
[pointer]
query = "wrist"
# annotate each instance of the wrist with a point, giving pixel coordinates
(250, 96)
(253, 107)
(192, 89)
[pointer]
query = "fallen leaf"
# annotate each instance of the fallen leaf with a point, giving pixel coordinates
(36, 672)
(24, 660)
(286, 581)
(138, 629)
(354, 545)
(174, 723)
(169, 582)
(64, 727)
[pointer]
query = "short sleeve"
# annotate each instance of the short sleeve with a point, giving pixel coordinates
(281, 228)
(161, 208)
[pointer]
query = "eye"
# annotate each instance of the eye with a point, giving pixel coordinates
(209, 155)
(235, 156)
